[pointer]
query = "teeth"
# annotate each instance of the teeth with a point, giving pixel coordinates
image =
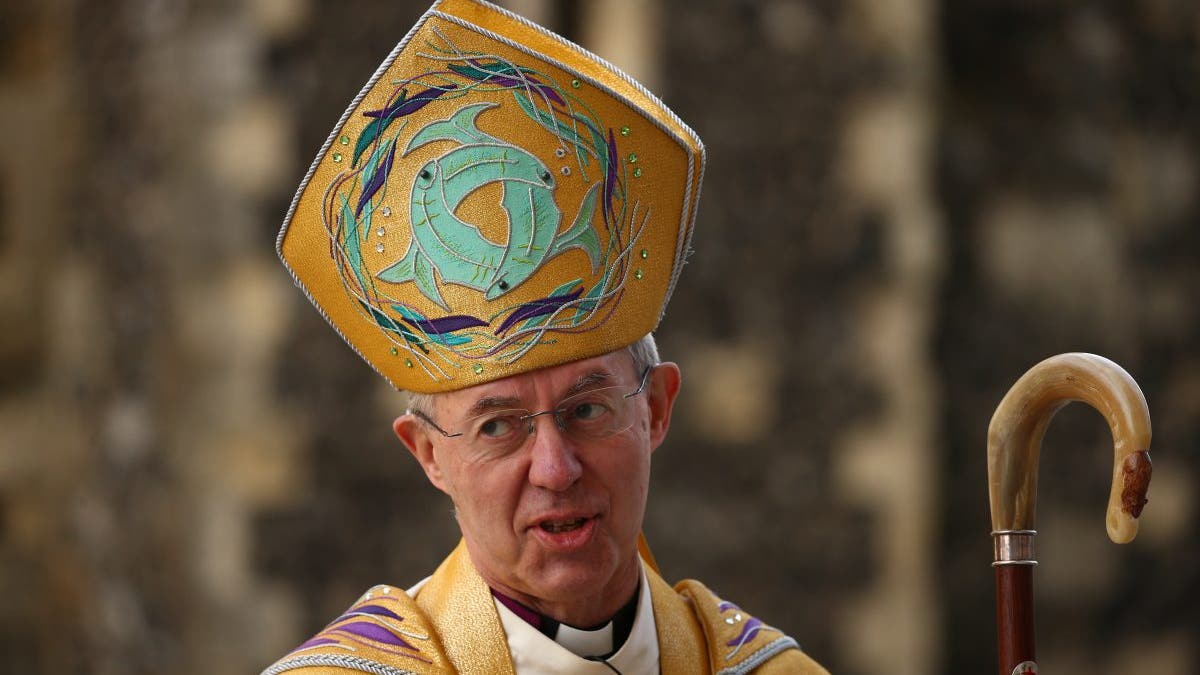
(563, 525)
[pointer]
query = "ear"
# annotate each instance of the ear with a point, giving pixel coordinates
(415, 436)
(663, 388)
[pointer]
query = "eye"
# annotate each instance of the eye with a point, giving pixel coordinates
(587, 411)
(497, 427)
(547, 178)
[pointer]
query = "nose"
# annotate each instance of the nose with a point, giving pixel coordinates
(552, 463)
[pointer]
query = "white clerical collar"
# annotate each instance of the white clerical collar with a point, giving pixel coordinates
(586, 643)
(535, 654)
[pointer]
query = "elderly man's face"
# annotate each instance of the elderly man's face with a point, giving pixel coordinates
(554, 521)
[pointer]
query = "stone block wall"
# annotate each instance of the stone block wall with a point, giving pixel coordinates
(907, 204)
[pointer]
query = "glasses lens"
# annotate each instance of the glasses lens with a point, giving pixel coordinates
(496, 431)
(597, 413)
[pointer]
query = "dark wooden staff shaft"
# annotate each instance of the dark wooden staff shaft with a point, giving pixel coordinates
(1014, 615)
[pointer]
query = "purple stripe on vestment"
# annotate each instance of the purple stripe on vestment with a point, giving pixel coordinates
(750, 628)
(376, 610)
(371, 631)
(316, 642)
(725, 606)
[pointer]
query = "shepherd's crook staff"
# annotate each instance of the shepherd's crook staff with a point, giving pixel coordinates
(1014, 442)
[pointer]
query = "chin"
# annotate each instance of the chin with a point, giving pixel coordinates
(567, 578)
(569, 583)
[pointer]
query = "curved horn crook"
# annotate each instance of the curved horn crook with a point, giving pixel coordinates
(1014, 444)
(1016, 431)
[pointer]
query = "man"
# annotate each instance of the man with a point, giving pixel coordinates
(496, 225)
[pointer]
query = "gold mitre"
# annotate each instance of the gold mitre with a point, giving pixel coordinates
(494, 201)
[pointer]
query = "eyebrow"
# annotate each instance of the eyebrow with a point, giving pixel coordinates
(588, 381)
(585, 382)
(488, 403)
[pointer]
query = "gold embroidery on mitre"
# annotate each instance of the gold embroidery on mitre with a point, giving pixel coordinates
(481, 217)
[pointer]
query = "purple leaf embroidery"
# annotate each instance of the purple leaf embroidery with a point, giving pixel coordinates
(538, 308)
(446, 324)
(376, 182)
(610, 178)
(407, 106)
(507, 81)
(400, 107)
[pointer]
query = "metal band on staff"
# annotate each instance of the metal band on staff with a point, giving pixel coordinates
(1013, 547)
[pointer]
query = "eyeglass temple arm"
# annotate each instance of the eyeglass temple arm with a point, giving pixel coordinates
(430, 422)
(645, 379)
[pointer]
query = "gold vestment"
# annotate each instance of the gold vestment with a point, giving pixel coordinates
(452, 626)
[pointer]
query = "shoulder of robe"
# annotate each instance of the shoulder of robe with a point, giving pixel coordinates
(384, 632)
(740, 643)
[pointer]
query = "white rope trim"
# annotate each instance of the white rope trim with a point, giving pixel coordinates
(757, 658)
(687, 229)
(350, 662)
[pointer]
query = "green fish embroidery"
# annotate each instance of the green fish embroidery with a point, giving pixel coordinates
(456, 250)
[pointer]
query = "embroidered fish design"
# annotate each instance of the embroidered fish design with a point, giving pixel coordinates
(444, 245)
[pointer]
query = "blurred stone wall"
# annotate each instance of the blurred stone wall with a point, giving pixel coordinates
(1068, 175)
(801, 481)
(142, 432)
(907, 204)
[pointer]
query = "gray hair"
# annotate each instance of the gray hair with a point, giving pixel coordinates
(644, 353)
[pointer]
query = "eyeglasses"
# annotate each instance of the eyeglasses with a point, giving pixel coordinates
(589, 415)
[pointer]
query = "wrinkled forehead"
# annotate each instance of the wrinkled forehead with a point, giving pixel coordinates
(544, 387)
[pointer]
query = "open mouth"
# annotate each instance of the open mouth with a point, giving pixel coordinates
(557, 526)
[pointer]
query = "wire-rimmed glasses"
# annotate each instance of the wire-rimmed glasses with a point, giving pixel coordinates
(588, 415)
